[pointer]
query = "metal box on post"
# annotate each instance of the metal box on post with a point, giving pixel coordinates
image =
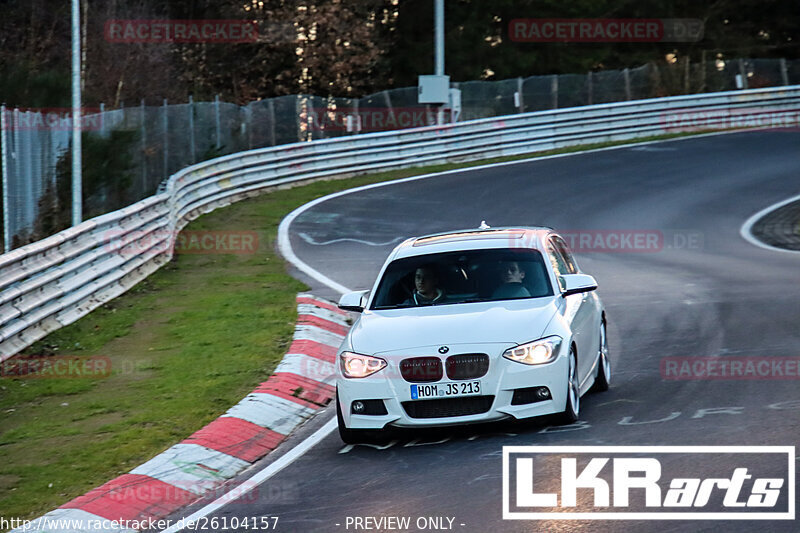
(433, 89)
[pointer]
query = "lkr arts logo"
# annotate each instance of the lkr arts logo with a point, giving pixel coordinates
(649, 482)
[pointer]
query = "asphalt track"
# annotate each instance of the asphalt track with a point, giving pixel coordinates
(704, 292)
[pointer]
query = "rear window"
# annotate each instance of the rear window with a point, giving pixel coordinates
(463, 277)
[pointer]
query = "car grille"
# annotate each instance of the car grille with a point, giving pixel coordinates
(421, 369)
(467, 366)
(447, 407)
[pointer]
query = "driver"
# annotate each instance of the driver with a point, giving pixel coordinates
(511, 275)
(427, 291)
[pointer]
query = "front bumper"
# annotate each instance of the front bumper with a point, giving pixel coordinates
(502, 379)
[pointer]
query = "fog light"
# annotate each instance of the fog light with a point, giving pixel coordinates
(543, 393)
(368, 407)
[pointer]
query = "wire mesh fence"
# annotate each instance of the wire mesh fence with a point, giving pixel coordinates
(128, 152)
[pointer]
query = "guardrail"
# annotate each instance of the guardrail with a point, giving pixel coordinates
(51, 283)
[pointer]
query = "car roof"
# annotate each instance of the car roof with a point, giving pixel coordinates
(532, 237)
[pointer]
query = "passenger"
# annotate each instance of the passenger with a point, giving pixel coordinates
(427, 291)
(512, 276)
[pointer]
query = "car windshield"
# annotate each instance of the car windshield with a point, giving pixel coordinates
(463, 277)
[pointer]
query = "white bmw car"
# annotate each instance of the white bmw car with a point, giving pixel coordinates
(471, 326)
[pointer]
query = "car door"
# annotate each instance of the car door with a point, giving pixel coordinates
(580, 309)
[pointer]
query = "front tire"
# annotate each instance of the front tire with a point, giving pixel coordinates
(571, 410)
(603, 380)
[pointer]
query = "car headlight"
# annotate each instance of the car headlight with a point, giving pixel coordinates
(536, 352)
(355, 365)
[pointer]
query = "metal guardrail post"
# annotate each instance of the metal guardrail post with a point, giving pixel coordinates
(77, 130)
(104, 190)
(686, 75)
(217, 120)
(16, 156)
(102, 119)
(248, 124)
(357, 119)
(25, 169)
(4, 161)
(271, 116)
(784, 71)
(191, 130)
(703, 74)
(271, 112)
(299, 113)
(165, 120)
(743, 73)
(627, 77)
(438, 49)
(388, 102)
(554, 91)
(143, 126)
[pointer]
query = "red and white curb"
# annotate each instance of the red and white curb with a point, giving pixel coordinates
(199, 466)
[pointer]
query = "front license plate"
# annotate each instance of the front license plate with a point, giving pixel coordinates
(445, 390)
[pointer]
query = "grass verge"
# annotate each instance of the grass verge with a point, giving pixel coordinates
(184, 345)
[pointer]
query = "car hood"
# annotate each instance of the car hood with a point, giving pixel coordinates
(509, 321)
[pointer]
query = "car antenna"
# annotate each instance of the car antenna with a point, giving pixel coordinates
(484, 225)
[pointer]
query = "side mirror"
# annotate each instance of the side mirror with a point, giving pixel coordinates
(577, 283)
(354, 301)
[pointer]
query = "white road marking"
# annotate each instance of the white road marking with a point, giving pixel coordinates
(628, 420)
(789, 405)
(310, 240)
(348, 447)
(746, 230)
(576, 426)
(652, 149)
(621, 400)
(701, 413)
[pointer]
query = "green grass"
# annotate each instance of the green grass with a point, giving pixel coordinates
(185, 345)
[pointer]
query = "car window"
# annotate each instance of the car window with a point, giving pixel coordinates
(556, 259)
(463, 277)
(560, 258)
(563, 249)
